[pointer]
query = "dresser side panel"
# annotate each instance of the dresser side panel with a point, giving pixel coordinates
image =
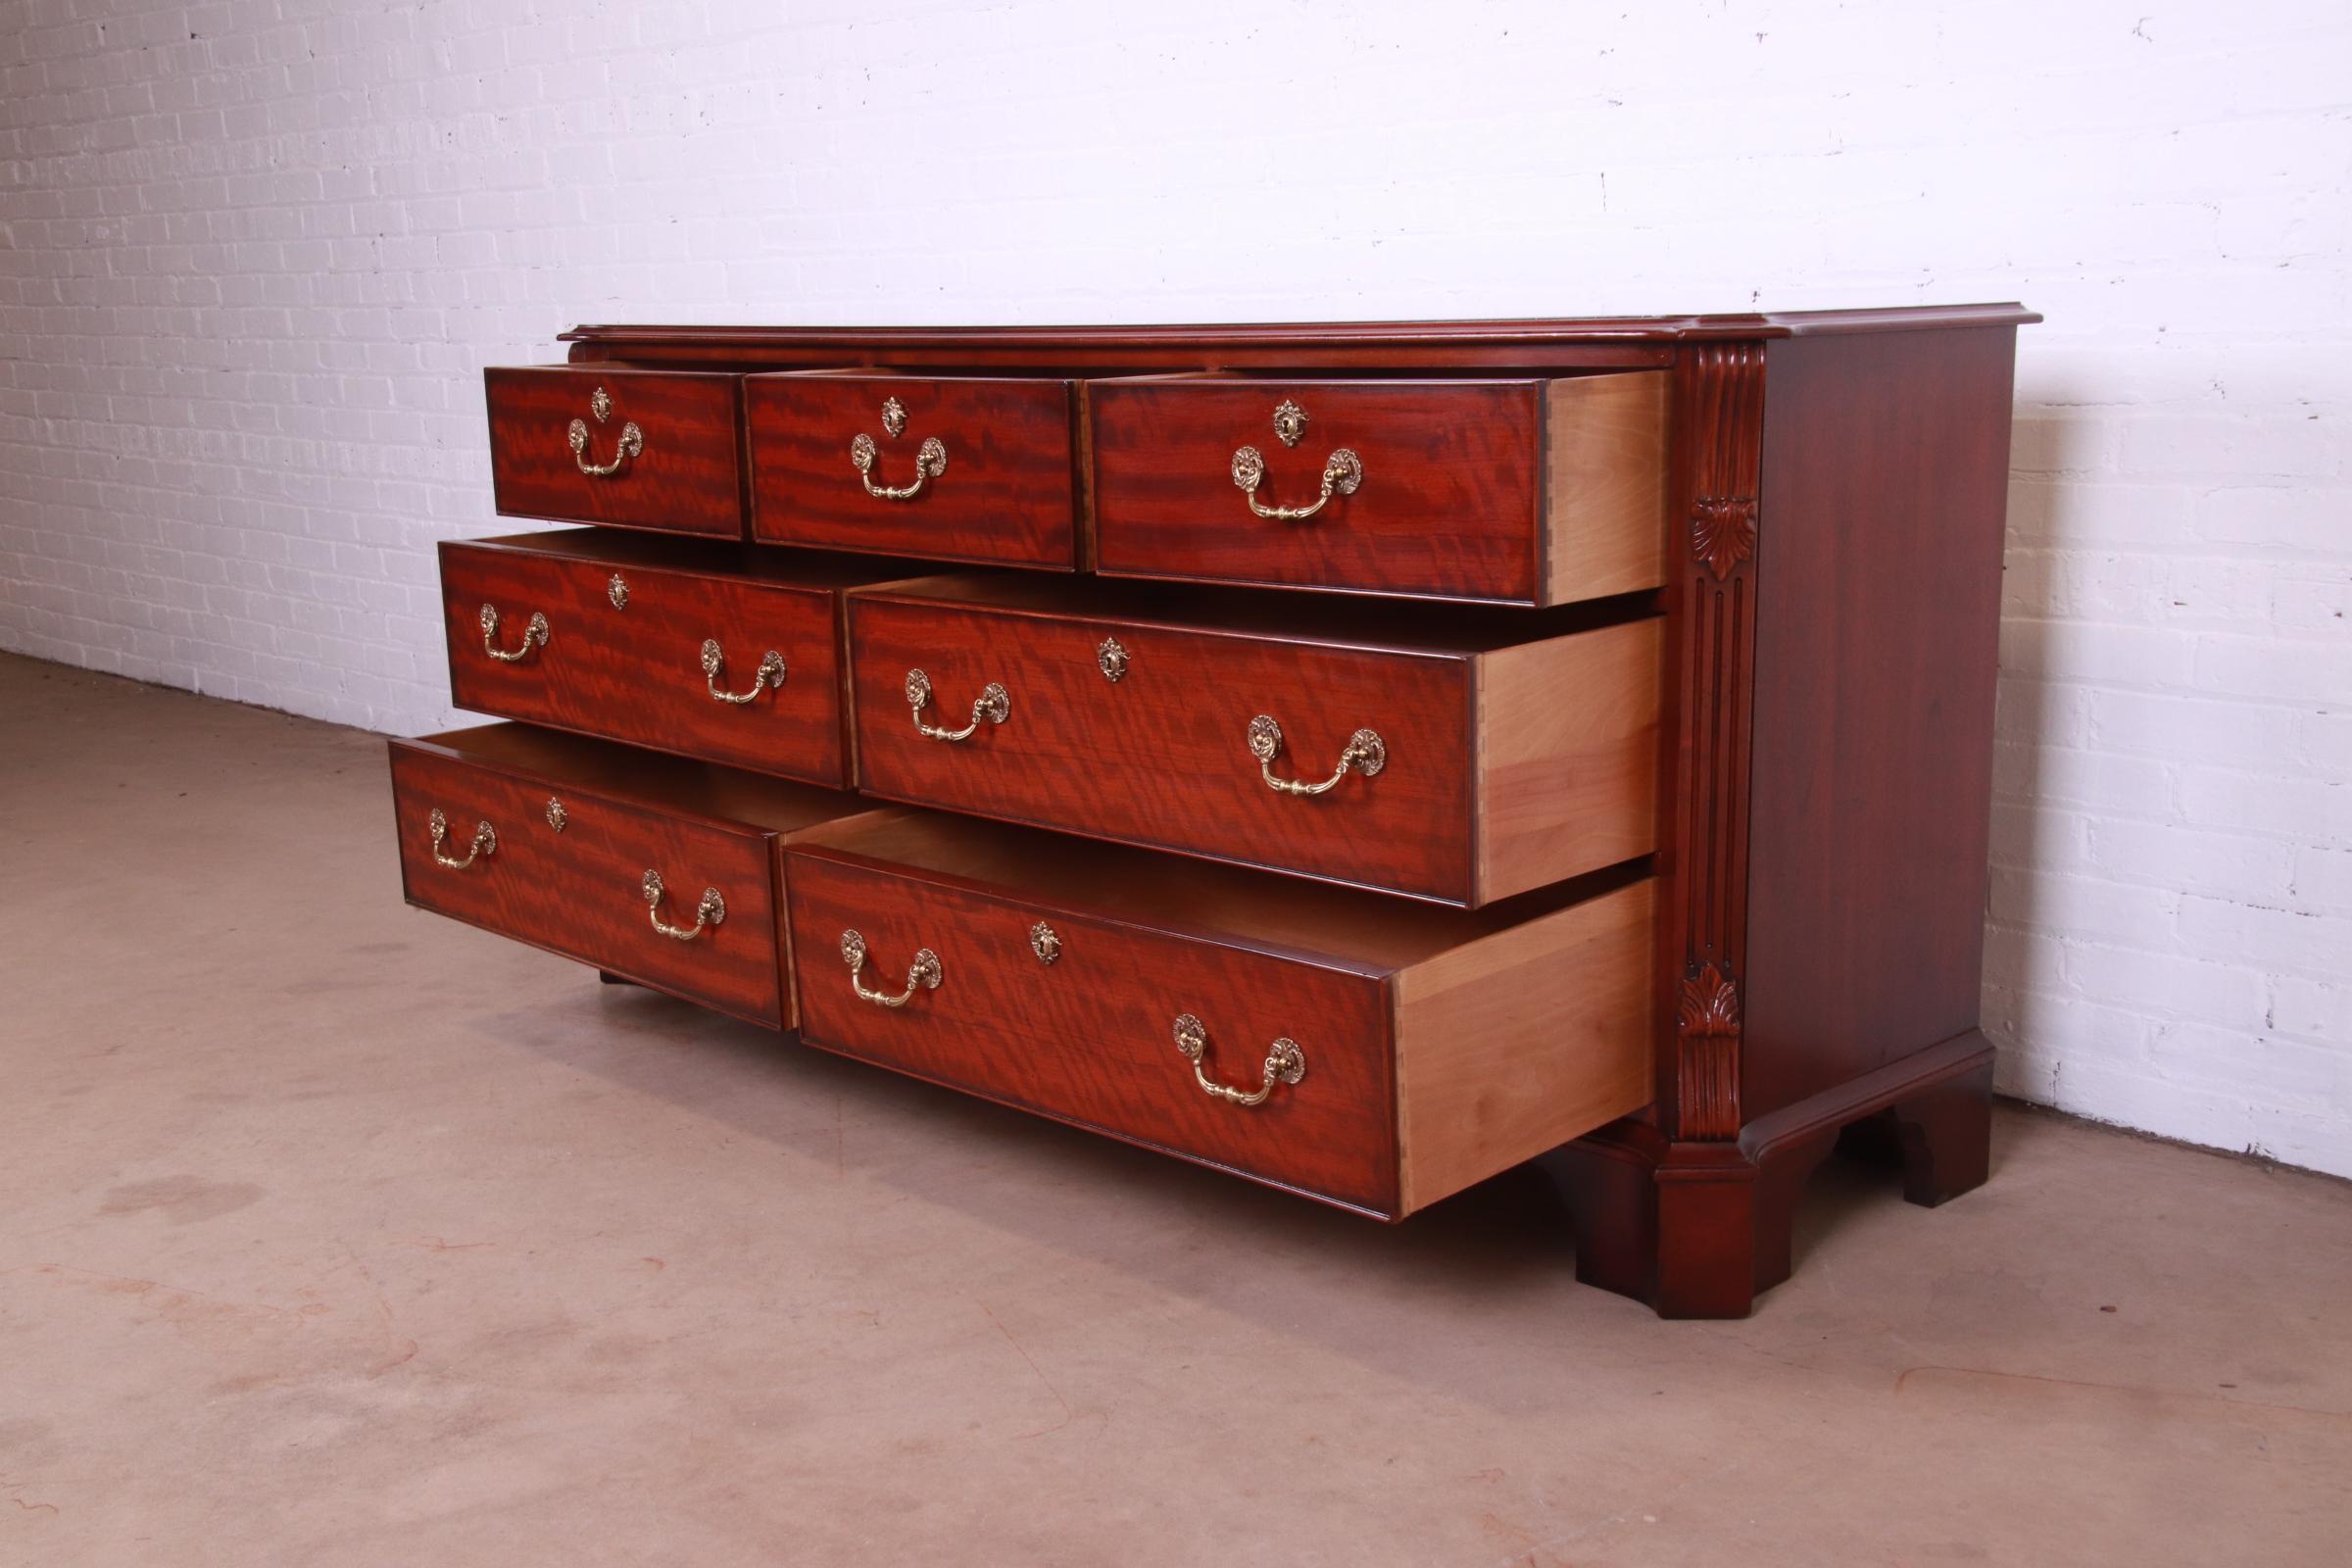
(1879, 555)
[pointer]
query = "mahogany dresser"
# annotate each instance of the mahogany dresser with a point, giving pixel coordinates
(1364, 759)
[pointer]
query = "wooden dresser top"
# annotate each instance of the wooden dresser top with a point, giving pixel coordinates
(1564, 342)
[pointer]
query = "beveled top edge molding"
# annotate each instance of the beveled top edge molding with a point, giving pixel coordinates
(1307, 335)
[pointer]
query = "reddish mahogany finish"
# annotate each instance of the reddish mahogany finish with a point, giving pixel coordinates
(577, 891)
(1873, 696)
(1064, 967)
(1834, 642)
(1088, 1038)
(687, 479)
(1449, 506)
(1008, 495)
(1160, 756)
(1565, 343)
(633, 669)
(1833, 491)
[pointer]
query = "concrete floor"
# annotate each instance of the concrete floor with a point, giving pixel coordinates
(334, 1233)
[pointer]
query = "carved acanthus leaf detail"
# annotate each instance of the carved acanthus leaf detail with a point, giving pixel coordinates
(1723, 531)
(1710, 1005)
(1707, 1097)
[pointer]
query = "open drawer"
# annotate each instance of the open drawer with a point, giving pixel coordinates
(1461, 754)
(708, 650)
(952, 467)
(659, 870)
(630, 449)
(1375, 1053)
(1521, 491)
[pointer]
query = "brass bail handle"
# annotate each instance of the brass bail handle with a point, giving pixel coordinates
(534, 636)
(1365, 753)
(923, 974)
(1343, 470)
(1285, 1063)
(633, 439)
(768, 676)
(930, 459)
(485, 841)
(709, 912)
(993, 706)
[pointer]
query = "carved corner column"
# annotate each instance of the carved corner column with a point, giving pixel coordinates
(1667, 1206)
(1720, 436)
(1689, 1206)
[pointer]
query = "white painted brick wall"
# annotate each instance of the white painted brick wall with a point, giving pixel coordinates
(254, 253)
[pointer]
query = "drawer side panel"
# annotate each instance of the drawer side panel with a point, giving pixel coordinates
(1568, 755)
(1604, 484)
(1513, 1045)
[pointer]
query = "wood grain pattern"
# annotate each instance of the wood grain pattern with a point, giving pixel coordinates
(1604, 484)
(1820, 774)
(1822, 922)
(1008, 496)
(1161, 758)
(1712, 622)
(1566, 739)
(634, 672)
(1884, 484)
(687, 479)
(1089, 1039)
(1517, 491)
(1514, 1043)
(1478, 1039)
(577, 891)
(1698, 1229)
(1522, 343)
(1200, 899)
(1448, 507)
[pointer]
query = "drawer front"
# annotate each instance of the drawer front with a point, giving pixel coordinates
(1161, 757)
(666, 441)
(1089, 1038)
(948, 468)
(1443, 497)
(580, 890)
(635, 669)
